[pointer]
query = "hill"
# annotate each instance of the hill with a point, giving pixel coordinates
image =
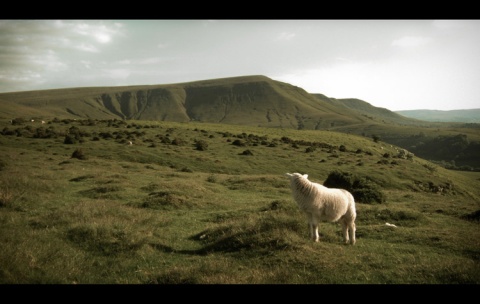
(87, 201)
(468, 115)
(248, 100)
(251, 101)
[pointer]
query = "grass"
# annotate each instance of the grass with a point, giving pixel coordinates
(160, 213)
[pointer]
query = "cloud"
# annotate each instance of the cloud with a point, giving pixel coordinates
(410, 41)
(117, 73)
(49, 61)
(35, 35)
(86, 64)
(87, 48)
(285, 36)
(162, 45)
(151, 60)
(141, 61)
(100, 32)
(336, 80)
(447, 24)
(45, 48)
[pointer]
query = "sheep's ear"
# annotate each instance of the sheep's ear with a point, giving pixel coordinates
(305, 176)
(288, 174)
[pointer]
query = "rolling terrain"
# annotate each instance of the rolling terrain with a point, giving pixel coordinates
(250, 101)
(468, 116)
(184, 184)
(88, 201)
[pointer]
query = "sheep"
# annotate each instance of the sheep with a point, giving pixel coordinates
(322, 204)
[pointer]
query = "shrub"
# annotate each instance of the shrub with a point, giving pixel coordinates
(178, 142)
(212, 179)
(78, 153)
(474, 216)
(201, 145)
(238, 142)
(368, 195)
(7, 131)
(247, 152)
(362, 189)
(18, 121)
(69, 139)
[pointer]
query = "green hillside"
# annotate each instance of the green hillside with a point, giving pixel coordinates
(251, 101)
(112, 201)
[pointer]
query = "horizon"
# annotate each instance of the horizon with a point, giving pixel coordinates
(394, 64)
(120, 86)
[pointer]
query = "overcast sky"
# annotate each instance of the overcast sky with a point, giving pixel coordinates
(394, 64)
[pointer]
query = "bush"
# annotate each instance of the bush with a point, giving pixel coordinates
(178, 142)
(238, 142)
(362, 189)
(337, 179)
(69, 139)
(78, 153)
(18, 121)
(247, 152)
(212, 179)
(201, 145)
(368, 195)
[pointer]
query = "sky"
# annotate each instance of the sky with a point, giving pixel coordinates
(393, 64)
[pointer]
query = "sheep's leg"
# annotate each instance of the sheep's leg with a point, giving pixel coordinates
(314, 231)
(310, 229)
(313, 227)
(345, 231)
(352, 228)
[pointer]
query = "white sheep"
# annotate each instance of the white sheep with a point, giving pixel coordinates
(322, 204)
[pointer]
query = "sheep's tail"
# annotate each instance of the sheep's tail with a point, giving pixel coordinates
(351, 208)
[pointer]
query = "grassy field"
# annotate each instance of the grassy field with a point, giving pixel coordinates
(193, 203)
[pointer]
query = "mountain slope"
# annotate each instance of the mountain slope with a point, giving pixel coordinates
(370, 111)
(468, 116)
(248, 100)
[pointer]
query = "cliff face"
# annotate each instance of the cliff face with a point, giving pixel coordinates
(155, 104)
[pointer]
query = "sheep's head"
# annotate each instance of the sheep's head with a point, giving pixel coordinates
(297, 175)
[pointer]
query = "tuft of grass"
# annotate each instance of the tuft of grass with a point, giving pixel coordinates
(165, 200)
